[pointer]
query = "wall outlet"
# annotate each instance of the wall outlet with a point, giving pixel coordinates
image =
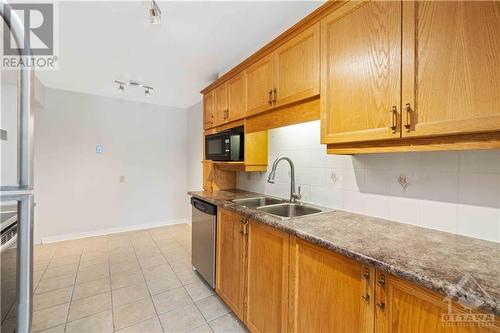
(98, 149)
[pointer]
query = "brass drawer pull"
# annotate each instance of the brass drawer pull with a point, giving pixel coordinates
(366, 274)
(408, 117)
(366, 298)
(394, 115)
(381, 305)
(270, 100)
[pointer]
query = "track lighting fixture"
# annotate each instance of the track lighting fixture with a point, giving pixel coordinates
(154, 13)
(131, 83)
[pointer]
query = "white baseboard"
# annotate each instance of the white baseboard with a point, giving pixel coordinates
(101, 232)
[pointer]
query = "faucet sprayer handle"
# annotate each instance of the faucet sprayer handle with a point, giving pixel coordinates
(297, 196)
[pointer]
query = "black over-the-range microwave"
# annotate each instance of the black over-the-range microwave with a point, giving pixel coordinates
(225, 146)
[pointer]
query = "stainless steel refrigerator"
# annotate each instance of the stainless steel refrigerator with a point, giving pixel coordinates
(16, 193)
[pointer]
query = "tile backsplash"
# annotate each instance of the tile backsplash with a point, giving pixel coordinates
(457, 192)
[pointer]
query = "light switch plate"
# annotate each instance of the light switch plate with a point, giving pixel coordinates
(3, 134)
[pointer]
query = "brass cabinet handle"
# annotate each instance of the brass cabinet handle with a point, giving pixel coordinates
(394, 115)
(270, 100)
(366, 298)
(381, 305)
(242, 226)
(275, 93)
(366, 274)
(408, 117)
(381, 281)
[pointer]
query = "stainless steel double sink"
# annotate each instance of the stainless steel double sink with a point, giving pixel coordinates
(279, 207)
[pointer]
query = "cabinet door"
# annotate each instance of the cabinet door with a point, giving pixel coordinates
(208, 110)
(230, 262)
(405, 307)
(360, 72)
(267, 279)
(259, 82)
(220, 104)
(236, 97)
(296, 66)
(328, 292)
(451, 67)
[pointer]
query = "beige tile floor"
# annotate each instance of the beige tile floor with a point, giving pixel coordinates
(138, 281)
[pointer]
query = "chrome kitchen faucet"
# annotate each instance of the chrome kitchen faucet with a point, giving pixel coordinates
(294, 197)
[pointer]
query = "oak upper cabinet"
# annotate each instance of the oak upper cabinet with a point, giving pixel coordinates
(259, 84)
(360, 72)
(208, 110)
(328, 292)
(230, 261)
(451, 67)
(296, 66)
(401, 306)
(220, 104)
(236, 92)
(267, 279)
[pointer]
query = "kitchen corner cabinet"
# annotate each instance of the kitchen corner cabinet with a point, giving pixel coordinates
(208, 110)
(360, 72)
(328, 292)
(402, 306)
(451, 67)
(231, 259)
(267, 279)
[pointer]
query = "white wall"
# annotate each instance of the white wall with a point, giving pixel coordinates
(194, 150)
(8, 122)
(78, 191)
(458, 192)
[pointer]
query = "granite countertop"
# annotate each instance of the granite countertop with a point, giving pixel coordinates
(433, 259)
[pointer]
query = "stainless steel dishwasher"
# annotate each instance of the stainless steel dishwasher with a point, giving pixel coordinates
(203, 232)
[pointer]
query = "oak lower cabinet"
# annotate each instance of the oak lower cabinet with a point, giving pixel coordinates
(267, 279)
(401, 306)
(328, 292)
(231, 259)
(277, 283)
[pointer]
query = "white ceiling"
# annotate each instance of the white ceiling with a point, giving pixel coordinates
(106, 40)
